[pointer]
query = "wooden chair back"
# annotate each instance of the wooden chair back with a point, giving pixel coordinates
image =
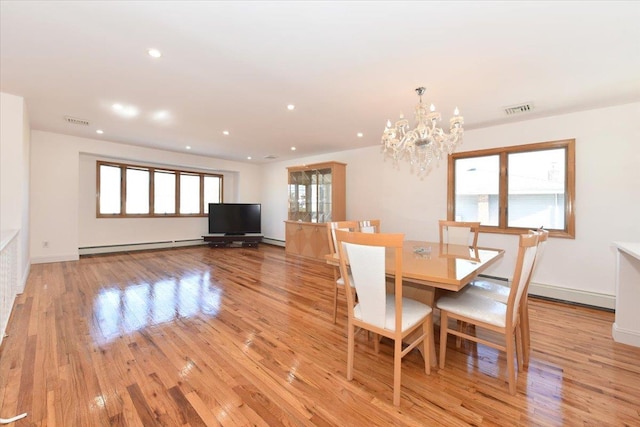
(332, 226)
(365, 254)
(369, 226)
(459, 232)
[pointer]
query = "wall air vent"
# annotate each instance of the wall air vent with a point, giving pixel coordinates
(76, 121)
(270, 157)
(517, 109)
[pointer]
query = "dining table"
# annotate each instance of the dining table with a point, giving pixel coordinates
(430, 267)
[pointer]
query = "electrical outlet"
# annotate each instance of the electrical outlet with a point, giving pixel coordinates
(45, 244)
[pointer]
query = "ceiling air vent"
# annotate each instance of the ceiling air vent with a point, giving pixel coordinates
(76, 121)
(270, 157)
(517, 109)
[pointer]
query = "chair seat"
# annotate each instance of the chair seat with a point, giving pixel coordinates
(413, 312)
(340, 281)
(477, 307)
(490, 289)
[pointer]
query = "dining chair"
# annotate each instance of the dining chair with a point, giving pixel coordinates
(333, 248)
(459, 232)
(369, 226)
(487, 313)
(388, 315)
(500, 292)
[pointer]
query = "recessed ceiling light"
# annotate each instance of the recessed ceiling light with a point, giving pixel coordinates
(100, 131)
(291, 107)
(188, 147)
(248, 157)
(160, 115)
(155, 53)
(293, 148)
(125, 110)
(359, 134)
(225, 132)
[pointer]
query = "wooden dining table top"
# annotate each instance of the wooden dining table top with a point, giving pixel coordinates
(444, 266)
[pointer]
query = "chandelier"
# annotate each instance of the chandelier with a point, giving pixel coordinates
(424, 144)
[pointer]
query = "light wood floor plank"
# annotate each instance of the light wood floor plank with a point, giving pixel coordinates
(244, 336)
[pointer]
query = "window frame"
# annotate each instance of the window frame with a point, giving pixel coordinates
(503, 152)
(152, 169)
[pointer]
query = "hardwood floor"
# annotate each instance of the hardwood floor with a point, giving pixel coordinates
(231, 336)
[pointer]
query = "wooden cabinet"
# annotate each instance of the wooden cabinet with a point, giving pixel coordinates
(317, 194)
(306, 239)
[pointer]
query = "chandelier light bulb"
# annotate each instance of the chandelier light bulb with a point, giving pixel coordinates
(456, 112)
(432, 108)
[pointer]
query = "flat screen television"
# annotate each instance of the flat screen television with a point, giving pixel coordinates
(234, 218)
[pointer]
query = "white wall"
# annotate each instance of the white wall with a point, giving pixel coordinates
(580, 269)
(14, 175)
(63, 195)
(607, 197)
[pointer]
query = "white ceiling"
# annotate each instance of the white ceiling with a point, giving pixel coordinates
(347, 66)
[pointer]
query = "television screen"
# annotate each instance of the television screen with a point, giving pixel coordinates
(234, 218)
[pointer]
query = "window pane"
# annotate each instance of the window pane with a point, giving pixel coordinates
(477, 184)
(537, 189)
(137, 191)
(211, 191)
(164, 192)
(109, 189)
(189, 194)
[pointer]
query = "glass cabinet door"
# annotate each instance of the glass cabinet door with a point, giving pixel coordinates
(310, 195)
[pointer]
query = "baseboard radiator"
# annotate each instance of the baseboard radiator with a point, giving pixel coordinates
(566, 295)
(9, 288)
(91, 250)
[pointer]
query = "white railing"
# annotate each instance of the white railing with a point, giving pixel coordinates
(9, 287)
(8, 276)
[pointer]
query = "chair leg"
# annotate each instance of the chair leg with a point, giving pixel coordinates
(427, 330)
(350, 350)
(444, 319)
(397, 364)
(526, 333)
(519, 349)
(335, 303)
(511, 373)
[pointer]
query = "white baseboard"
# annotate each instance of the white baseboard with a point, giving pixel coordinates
(571, 295)
(625, 336)
(57, 258)
(274, 242)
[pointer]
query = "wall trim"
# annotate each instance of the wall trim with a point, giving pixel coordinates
(274, 242)
(625, 336)
(569, 295)
(57, 258)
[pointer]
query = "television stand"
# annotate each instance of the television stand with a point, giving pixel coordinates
(231, 240)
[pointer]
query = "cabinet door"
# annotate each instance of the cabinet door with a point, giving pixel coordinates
(320, 242)
(292, 239)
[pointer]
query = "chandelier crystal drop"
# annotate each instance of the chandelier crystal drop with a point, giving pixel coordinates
(425, 143)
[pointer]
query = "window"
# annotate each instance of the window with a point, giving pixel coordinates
(189, 194)
(137, 199)
(164, 192)
(513, 189)
(141, 191)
